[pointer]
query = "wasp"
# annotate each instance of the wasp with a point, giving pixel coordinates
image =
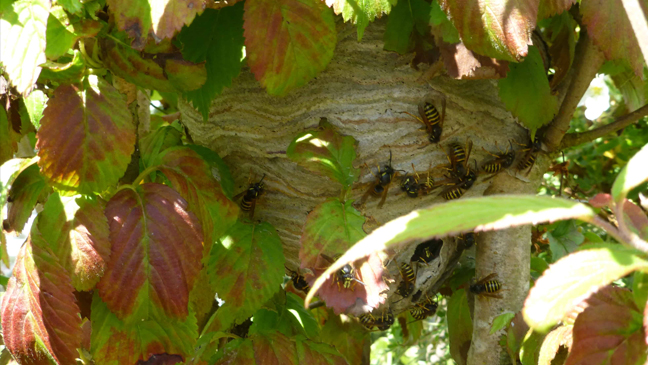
(460, 184)
(410, 184)
(383, 180)
(431, 119)
(406, 287)
(252, 193)
(488, 287)
(368, 320)
(427, 251)
(529, 158)
(466, 240)
(299, 281)
(460, 176)
(424, 309)
(383, 322)
(346, 276)
(502, 161)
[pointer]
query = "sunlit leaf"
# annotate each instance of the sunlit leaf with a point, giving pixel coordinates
(72, 6)
(216, 37)
(608, 25)
(640, 288)
(114, 342)
(462, 63)
(530, 350)
(288, 42)
(401, 22)
(40, 319)
(25, 192)
(515, 334)
(564, 239)
(63, 32)
(441, 26)
(561, 336)
(633, 88)
(479, 214)
(361, 12)
(7, 148)
(610, 329)
(155, 255)
(632, 175)
(287, 316)
(495, 28)
(501, 321)
(550, 8)
(247, 266)
(326, 152)
(161, 18)
(459, 326)
(574, 277)
(35, 104)
(76, 230)
(64, 73)
(86, 137)
(525, 92)
(22, 41)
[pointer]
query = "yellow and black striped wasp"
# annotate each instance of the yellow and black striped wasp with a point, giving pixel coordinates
(299, 281)
(252, 193)
(406, 286)
(460, 176)
(383, 322)
(346, 276)
(466, 240)
(410, 184)
(383, 180)
(427, 251)
(503, 160)
(531, 149)
(424, 309)
(487, 287)
(431, 119)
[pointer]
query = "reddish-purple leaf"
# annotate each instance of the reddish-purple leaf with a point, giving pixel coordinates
(462, 63)
(608, 25)
(86, 137)
(274, 349)
(161, 18)
(609, 330)
(315, 353)
(631, 211)
(114, 342)
(563, 46)
(496, 28)
(77, 231)
(40, 319)
(247, 267)
(288, 42)
(191, 176)
(352, 344)
(550, 8)
(24, 193)
(155, 256)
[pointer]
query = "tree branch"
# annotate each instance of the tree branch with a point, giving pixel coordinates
(574, 139)
(588, 61)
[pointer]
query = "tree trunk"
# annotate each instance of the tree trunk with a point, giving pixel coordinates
(362, 93)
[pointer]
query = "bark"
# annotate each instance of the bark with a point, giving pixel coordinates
(363, 92)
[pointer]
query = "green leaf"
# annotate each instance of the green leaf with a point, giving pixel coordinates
(25, 192)
(287, 316)
(608, 25)
(361, 12)
(156, 142)
(479, 214)
(215, 161)
(610, 320)
(22, 43)
(352, 344)
(288, 42)
(538, 265)
(41, 323)
(161, 18)
(216, 36)
(300, 316)
(459, 326)
(441, 26)
(561, 336)
(59, 33)
(632, 175)
(155, 254)
(633, 88)
(525, 92)
(530, 351)
(64, 73)
(326, 152)
(495, 28)
(72, 6)
(246, 267)
(6, 147)
(400, 24)
(640, 288)
(114, 342)
(238, 352)
(35, 104)
(574, 276)
(550, 8)
(592, 237)
(564, 239)
(86, 138)
(501, 321)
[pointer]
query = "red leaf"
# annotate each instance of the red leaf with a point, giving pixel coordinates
(86, 137)
(495, 28)
(40, 319)
(608, 25)
(550, 8)
(288, 42)
(462, 63)
(609, 330)
(25, 192)
(274, 349)
(352, 344)
(562, 48)
(156, 253)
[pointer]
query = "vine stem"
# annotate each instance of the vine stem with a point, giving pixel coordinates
(574, 139)
(588, 61)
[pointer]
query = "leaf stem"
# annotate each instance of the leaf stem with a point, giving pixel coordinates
(588, 61)
(143, 175)
(574, 139)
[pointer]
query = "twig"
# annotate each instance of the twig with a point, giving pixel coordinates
(588, 61)
(574, 139)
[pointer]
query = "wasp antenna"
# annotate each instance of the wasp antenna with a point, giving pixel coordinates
(390, 157)
(262, 177)
(360, 281)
